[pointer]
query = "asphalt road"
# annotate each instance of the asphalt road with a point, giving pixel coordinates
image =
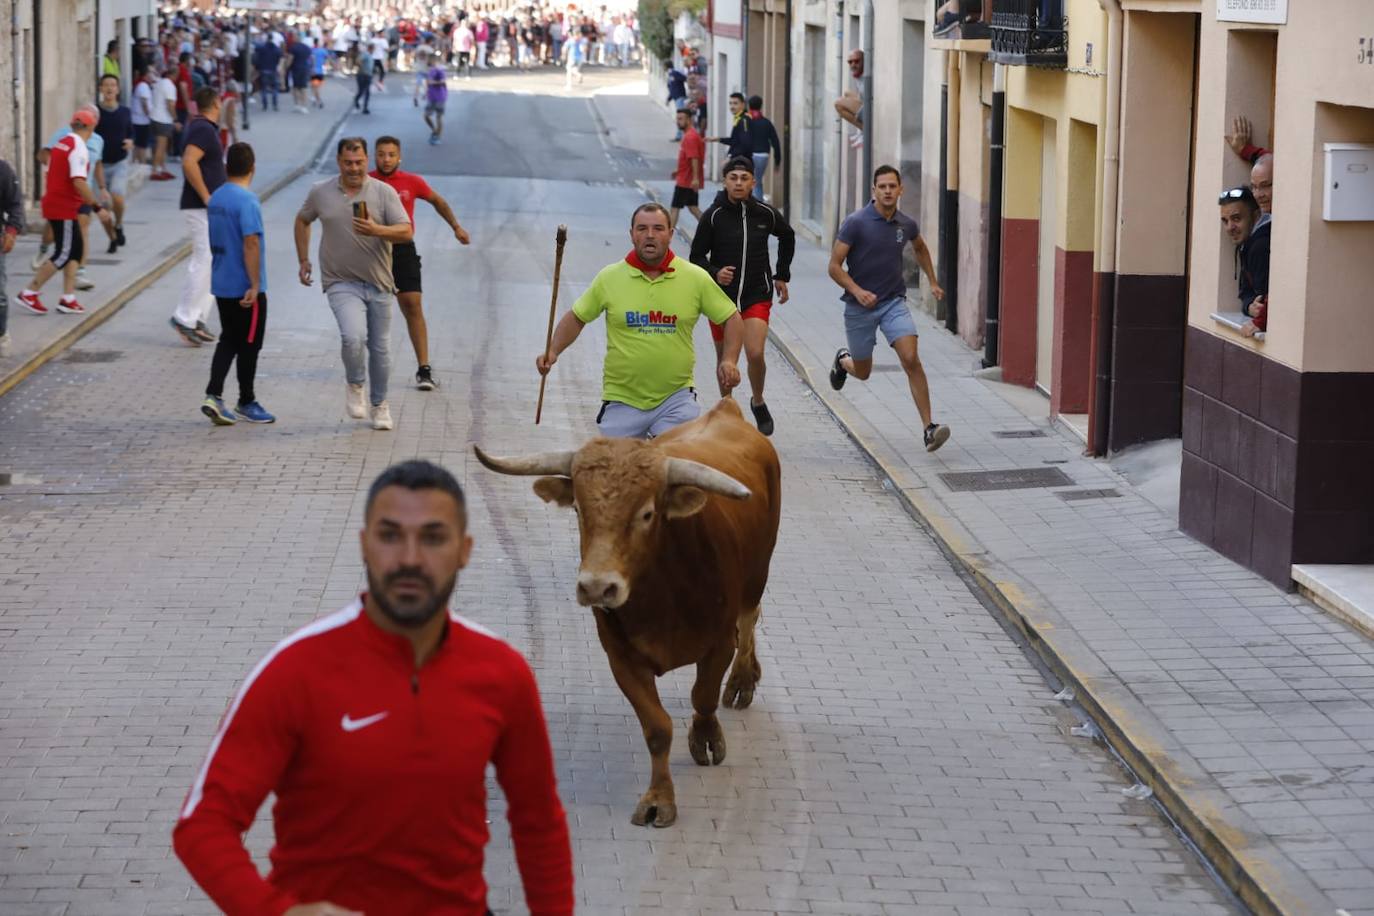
(902, 755)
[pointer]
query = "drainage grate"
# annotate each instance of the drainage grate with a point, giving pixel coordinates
(1073, 496)
(1010, 479)
(92, 356)
(1019, 434)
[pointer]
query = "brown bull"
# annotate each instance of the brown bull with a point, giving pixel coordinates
(676, 537)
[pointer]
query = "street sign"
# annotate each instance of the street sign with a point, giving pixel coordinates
(273, 6)
(1272, 12)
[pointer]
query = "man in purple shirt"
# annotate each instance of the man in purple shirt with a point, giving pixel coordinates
(871, 240)
(436, 97)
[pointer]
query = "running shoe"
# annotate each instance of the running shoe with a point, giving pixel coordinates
(837, 373)
(187, 335)
(204, 333)
(113, 246)
(762, 417)
(219, 415)
(425, 380)
(162, 176)
(936, 435)
(70, 306)
(381, 416)
(119, 236)
(83, 282)
(30, 302)
(39, 258)
(254, 412)
(356, 403)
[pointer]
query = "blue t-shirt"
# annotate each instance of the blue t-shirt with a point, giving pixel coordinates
(234, 213)
(319, 57)
(875, 250)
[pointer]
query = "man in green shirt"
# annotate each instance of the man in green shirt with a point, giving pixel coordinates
(651, 300)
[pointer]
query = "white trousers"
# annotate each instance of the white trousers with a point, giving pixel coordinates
(194, 306)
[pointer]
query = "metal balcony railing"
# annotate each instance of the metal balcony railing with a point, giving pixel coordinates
(1030, 33)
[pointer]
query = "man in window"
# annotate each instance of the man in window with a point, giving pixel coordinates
(1248, 227)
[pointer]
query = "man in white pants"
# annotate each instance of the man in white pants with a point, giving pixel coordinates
(202, 164)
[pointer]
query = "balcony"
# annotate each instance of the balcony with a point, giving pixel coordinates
(1030, 33)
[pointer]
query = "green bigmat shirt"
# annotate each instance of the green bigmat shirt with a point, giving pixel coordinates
(649, 325)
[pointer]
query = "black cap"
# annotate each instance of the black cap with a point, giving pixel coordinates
(736, 163)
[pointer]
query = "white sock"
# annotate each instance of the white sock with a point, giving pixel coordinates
(68, 297)
(29, 292)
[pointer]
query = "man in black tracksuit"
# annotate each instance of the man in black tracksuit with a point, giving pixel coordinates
(731, 245)
(1248, 227)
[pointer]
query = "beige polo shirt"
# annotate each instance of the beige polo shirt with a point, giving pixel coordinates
(346, 256)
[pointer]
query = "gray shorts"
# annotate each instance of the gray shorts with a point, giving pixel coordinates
(117, 177)
(861, 325)
(621, 421)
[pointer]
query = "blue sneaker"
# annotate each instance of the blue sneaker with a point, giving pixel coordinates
(219, 414)
(253, 412)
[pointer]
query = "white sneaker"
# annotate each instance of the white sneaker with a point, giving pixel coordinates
(39, 258)
(381, 416)
(357, 402)
(83, 281)
(4, 345)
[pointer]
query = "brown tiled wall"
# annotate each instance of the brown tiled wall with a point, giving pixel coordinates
(1147, 358)
(1278, 465)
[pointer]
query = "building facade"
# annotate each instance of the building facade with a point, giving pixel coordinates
(1064, 158)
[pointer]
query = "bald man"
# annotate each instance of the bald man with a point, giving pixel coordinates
(1262, 181)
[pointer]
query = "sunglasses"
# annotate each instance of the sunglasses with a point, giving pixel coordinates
(1241, 193)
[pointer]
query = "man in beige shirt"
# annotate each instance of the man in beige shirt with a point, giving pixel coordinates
(361, 218)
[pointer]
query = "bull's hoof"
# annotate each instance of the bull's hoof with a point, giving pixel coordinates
(654, 809)
(706, 742)
(739, 689)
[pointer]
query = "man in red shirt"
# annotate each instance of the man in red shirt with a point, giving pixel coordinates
(65, 192)
(374, 727)
(405, 260)
(687, 178)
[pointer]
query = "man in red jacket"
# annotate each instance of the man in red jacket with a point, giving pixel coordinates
(374, 726)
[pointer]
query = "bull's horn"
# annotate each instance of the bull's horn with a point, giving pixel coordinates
(682, 472)
(548, 463)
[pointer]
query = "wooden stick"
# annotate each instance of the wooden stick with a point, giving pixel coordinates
(562, 239)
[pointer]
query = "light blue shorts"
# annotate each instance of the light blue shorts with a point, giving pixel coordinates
(621, 421)
(861, 325)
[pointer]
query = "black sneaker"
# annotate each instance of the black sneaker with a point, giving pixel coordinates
(936, 436)
(424, 379)
(762, 417)
(119, 236)
(837, 373)
(114, 246)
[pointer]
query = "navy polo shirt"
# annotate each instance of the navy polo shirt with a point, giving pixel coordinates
(875, 250)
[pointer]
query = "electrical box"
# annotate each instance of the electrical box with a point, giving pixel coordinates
(1349, 189)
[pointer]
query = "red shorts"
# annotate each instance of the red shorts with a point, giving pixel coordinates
(757, 310)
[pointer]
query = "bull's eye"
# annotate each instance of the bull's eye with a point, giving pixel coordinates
(648, 515)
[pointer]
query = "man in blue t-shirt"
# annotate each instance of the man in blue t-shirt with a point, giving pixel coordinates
(238, 280)
(302, 60)
(871, 241)
(319, 59)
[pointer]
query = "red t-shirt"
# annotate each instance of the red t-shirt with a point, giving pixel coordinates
(379, 773)
(187, 84)
(68, 159)
(409, 186)
(692, 147)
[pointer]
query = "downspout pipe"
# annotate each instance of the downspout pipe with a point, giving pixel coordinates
(787, 117)
(839, 122)
(36, 31)
(1104, 312)
(869, 109)
(949, 235)
(943, 202)
(997, 166)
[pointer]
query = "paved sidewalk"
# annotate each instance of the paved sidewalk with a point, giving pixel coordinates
(285, 143)
(1248, 711)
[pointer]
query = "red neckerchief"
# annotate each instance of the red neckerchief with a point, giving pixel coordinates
(755, 113)
(633, 260)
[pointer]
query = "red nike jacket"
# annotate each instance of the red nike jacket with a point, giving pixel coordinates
(379, 773)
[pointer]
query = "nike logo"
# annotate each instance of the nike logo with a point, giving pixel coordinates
(352, 725)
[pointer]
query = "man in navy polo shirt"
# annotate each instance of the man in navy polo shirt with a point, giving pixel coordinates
(871, 242)
(202, 165)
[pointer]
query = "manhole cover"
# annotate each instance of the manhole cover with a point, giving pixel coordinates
(1073, 496)
(92, 356)
(1019, 434)
(1010, 479)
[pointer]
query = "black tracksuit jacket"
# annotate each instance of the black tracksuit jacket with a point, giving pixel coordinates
(736, 235)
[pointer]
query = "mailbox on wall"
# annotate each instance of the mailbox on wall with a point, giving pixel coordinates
(1349, 189)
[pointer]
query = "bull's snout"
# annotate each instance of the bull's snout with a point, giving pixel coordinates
(602, 589)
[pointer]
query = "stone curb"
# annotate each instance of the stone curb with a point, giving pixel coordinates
(1228, 839)
(151, 276)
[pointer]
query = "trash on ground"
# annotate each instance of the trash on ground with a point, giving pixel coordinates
(1139, 790)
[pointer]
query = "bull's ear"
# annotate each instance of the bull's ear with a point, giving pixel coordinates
(684, 501)
(555, 490)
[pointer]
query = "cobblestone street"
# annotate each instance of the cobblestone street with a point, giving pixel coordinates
(902, 755)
